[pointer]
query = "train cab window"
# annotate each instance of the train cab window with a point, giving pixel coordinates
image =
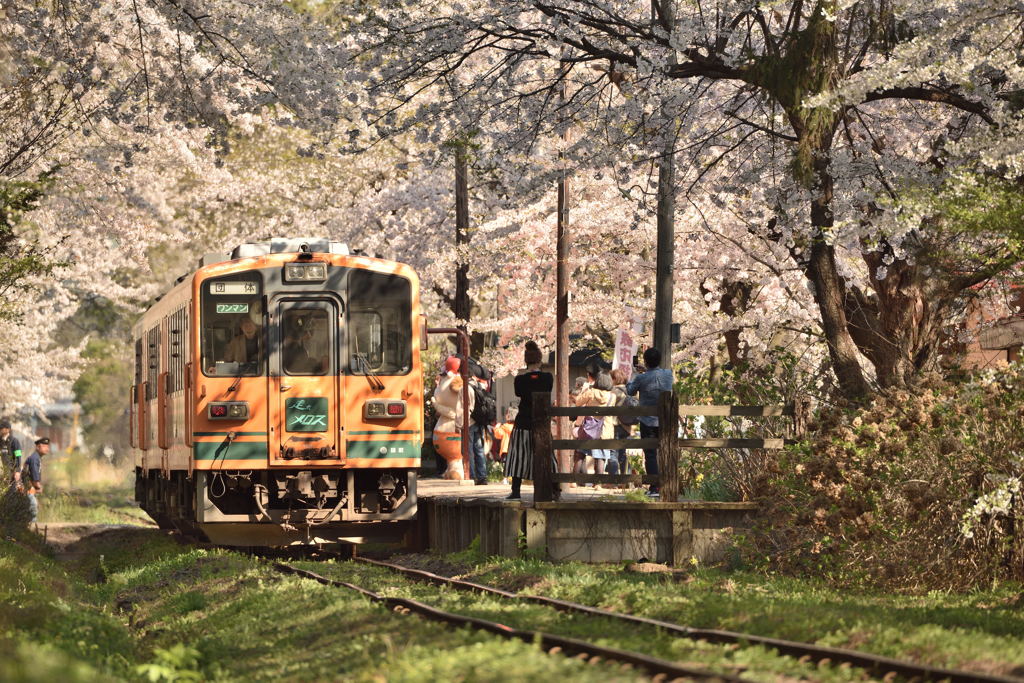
(233, 327)
(306, 349)
(379, 323)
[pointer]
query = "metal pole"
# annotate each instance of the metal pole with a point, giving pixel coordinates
(562, 293)
(460, 303)
(666, 223)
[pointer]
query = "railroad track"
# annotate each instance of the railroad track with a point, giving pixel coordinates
(572, 647)
(876, 665)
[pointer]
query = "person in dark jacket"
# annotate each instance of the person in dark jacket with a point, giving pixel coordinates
(10, 454)
(32, 474)
(519, 463)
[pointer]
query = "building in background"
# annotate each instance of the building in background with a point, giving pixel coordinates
(60, 422)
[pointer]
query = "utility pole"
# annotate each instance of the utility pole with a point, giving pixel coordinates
(562, 288)
(666, 216)
(460, 303)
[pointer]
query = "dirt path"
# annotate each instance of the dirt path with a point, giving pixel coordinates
(73, 542)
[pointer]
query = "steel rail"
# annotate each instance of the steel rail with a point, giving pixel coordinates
(553, 644)
(874, 664)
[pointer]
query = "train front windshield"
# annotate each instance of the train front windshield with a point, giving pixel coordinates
(380, 324)
(233, 328)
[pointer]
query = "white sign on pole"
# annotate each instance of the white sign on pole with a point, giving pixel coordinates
(625, 349)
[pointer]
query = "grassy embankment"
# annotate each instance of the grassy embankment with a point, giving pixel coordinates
(140, 606)
(133, 604)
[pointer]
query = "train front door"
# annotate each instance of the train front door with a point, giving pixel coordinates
(306, 384)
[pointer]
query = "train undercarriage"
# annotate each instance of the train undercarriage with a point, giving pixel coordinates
(281, 507)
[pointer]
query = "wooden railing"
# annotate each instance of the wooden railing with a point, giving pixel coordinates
(668, 443)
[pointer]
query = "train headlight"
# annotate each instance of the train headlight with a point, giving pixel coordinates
(383, 409)
(228, 410)
(305, 272)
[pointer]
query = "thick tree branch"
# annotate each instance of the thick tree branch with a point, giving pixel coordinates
(932, 95)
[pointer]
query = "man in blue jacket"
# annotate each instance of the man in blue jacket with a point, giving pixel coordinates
(32, 474)
(650, 385)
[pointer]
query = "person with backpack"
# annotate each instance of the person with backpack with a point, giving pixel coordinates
(482, 418)
(623, 424)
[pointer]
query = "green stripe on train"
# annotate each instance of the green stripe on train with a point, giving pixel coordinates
(392, 449)
(382, 432)
(235, 450)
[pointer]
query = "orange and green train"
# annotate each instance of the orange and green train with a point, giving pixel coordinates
(278, 397)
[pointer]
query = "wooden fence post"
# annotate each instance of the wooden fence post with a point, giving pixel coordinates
(801, 416)
(668, 451)
(543, 490)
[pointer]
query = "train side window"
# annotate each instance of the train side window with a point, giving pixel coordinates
(139, 361)
(380, 323)
(152, 361)
(233, 328)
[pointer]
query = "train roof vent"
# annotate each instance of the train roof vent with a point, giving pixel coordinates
(289, 245)
(211, 258)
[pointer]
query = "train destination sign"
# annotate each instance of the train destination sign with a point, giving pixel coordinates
(234, 288)
(306, 414)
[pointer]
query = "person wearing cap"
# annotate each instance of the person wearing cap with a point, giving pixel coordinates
(10, 453)
(32, 474)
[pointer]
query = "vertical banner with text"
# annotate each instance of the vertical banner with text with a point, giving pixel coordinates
(625, 343)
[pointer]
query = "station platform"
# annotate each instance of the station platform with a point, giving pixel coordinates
(587, 524)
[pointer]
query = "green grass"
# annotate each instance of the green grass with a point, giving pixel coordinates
(86, 491)
(257, 624)
(755, 663)
(48, 625)
(90, 504)
(139, 606)
(134, 604)
(982, 631)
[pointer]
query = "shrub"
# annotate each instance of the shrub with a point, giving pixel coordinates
(15, 513)
(913, 491)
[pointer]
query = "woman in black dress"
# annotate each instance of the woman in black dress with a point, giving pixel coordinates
(519, 462)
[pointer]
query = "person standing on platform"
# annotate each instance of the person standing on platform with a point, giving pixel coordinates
(519, 464)
(597, 393)
(10, 455)
(650, 385)
(623, 425)
(482, 417)
(32, 474)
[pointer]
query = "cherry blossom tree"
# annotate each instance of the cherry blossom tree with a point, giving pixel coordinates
(841, 106)
(107, 109)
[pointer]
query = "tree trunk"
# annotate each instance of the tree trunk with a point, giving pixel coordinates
(898, 327)
(829, 287)
(830, 295)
